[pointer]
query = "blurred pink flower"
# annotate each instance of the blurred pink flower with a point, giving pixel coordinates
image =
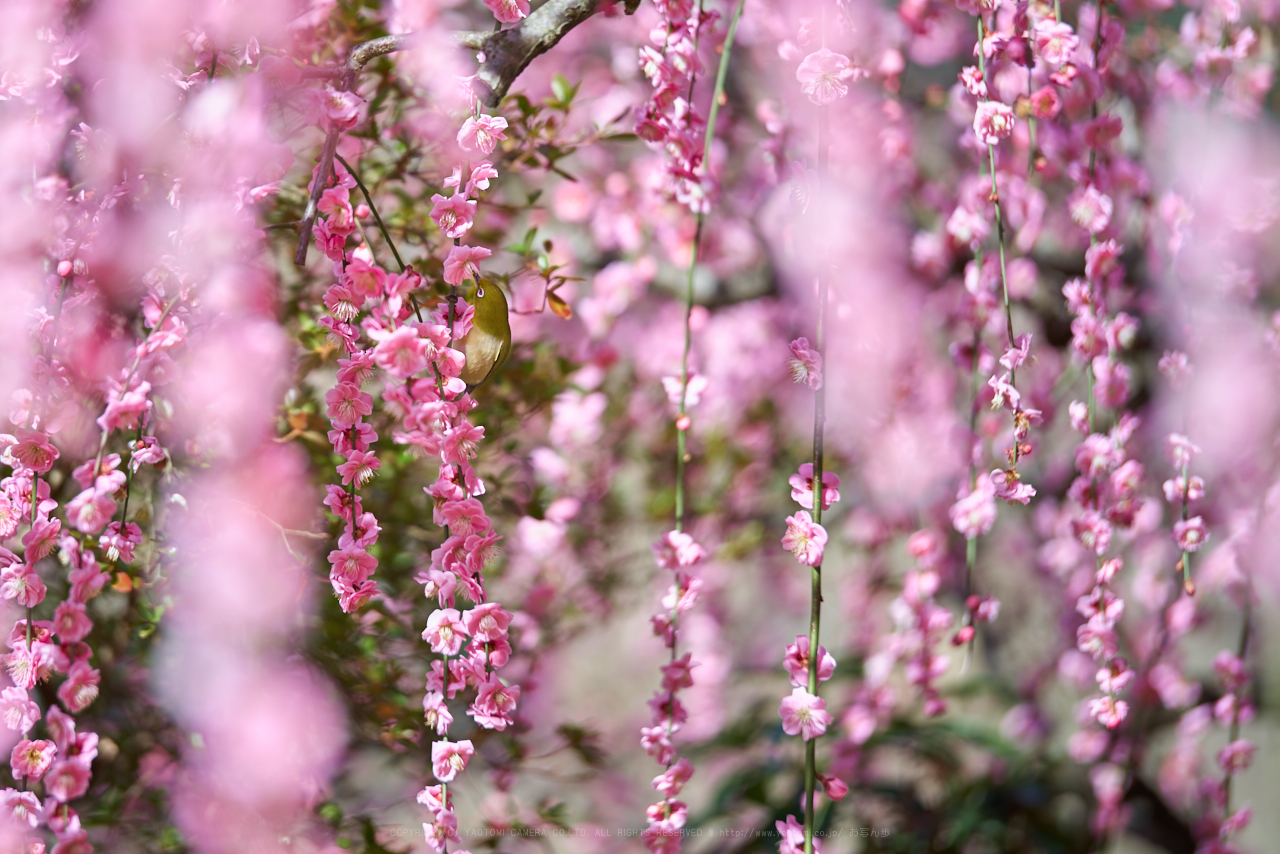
(1191, 534)
(823, 75)
(974, 513)
(1055, 41)
(993, 122)
(806, 364)
(508, 11)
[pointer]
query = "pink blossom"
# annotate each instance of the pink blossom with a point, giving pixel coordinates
(124, 406)
(488, 623)
(453, 214)
(974, 513)
(352, 562)
(1010, 488)
(445, 632)
(669, 783)
(1055, 41)
(366, 279)
(1098, 638)
(67, 780)
(1115, 677)
(80, 689)
(1236, 756)
(1090, 209)
(481, 175)
(482, 133)
(792, 837)
(1004, 392)
(973, 82)
(17, 711)
(1174, 367)
(436, 712)
(343, 302)
(23, 807)
(993, 122)
(461, 263)
(449, 759)
(823, 75)
(1230, 670)
(347, 404)
(338, 109)
(662, 837)
(796, 661)
(676, 549)
(1191, 534)
(30, 448)
(804, 714)
(119, 540)
(90, 511)
(401, 353)
(805, 538)
(352, 595)
(443, 830)
(834, 787)
(1103, 602)
(691, 391)
(495, 704)
(678, 675)
(1045, 102)
(30, 759)
(1109, 712)
(656, 742)
(71, 621)
(1093, 532)
(360, 467)
(21, 583)
(508, 11)
(1179, 489)
(335, 204)
(802, 487)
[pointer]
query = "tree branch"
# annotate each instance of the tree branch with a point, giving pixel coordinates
(509, 52)
(506, 54)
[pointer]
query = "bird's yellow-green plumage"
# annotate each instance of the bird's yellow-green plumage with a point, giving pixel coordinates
(488, 343)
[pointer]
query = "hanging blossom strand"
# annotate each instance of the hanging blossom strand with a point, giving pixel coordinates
(823, 76)
(422, 385)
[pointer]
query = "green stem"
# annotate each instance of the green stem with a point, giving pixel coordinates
(1241, 648)
(819, 425)
(373, 209)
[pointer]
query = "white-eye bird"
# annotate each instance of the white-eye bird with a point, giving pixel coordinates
(488, 343)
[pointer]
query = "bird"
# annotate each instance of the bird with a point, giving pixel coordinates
(487, 344)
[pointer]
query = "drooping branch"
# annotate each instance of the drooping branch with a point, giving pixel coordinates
(506, 54)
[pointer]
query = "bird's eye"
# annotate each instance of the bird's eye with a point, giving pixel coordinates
(480, 292)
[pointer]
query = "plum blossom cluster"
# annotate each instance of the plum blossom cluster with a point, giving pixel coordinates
(1183, 492)
(669, 119)
(1207, 792)
(677, 552)
(805, 538)
(1106, 492)
(376, 317)
(92, 528)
